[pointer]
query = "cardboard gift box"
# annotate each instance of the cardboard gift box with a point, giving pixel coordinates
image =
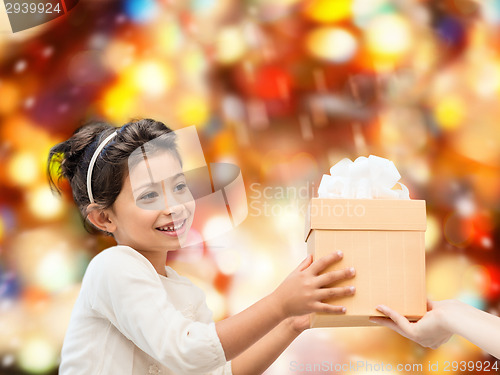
(383, 239)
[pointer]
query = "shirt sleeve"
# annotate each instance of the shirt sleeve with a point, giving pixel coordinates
(204, 314)
(224, 370)
(125, 289)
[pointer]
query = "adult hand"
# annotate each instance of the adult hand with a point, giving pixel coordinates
(431, 331)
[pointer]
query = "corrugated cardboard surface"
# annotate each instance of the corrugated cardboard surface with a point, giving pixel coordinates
(384, 241)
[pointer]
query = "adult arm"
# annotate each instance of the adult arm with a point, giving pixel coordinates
(444, 319)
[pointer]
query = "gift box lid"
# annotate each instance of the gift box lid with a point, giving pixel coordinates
(365, 214)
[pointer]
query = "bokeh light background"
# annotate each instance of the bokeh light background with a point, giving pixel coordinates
(284, 89)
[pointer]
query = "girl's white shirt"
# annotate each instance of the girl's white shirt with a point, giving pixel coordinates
(129, 320)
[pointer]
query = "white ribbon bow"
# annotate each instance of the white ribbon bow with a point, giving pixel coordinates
(365, 178)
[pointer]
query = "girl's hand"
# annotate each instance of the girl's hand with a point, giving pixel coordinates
(305, 289)
(299, 324)
(431, 331)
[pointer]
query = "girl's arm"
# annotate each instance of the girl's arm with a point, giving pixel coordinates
(257, 358)
(443, 319)
(302, 292)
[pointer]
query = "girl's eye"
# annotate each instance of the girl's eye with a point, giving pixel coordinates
(149, 196)
(180, 187)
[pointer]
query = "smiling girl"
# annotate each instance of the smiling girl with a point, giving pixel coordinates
(136, 316)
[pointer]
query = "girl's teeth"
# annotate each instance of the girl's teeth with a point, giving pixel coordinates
(172, 228)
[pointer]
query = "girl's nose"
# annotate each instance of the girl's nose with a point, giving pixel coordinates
(172, 208)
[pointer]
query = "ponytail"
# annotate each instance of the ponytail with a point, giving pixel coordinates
(66, 159)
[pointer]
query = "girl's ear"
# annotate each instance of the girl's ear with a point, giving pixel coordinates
(100, 218)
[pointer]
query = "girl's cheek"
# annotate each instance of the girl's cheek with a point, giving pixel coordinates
(191, 206)
(188, 202)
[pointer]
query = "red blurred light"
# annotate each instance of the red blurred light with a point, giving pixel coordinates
(270, 82)
(493, 286)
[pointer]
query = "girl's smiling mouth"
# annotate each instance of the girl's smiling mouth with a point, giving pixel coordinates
(173, 229)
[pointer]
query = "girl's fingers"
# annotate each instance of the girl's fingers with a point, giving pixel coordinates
(305, 263)
(327, 308)
(319, 265)
(333, 276)
(397, 318)
(327, 293)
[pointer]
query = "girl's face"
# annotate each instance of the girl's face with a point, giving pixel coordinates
(154, 211)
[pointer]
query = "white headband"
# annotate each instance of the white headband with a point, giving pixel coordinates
(92, 162)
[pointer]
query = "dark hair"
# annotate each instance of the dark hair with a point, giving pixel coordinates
(70, 159)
